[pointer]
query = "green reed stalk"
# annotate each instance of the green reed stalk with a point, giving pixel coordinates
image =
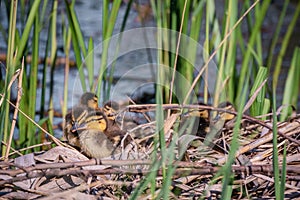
(27, 130)
(258, 42)
(43, 12)
(276, 34)
(163, 43)
(184, 67)
(77, 41)
(230, 64)
(291, 89)
(283, 172)
(44, 74)
(113, 65)
(253, 37)
(23, 122)
(258, 105)
(33, 81)
(25, 34)
(212, 39)
(89, 61)
(16, 48)
(275, 148)
(109, 21)
(206, 48)
(212, 21)
(11, 65)
(53, 55)
(67, 44)
(234, 145)
(220, 76)
(284, 45)
(175, 16)
(161, 134)
(196, 20)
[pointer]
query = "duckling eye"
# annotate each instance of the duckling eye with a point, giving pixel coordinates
(107, 108)
(204, 114)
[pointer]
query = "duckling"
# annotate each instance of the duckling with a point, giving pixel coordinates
(110, 108)
(70, 134)
(226, 116)
(114, 131)
(217, 124)
(198, 124)
(88, 101)
(90, 127)
(209, 130)
(202, 120)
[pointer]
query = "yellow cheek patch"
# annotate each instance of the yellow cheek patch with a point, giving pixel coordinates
(96, 121)
(103, 126)
(204, 114)
(92, 104)
(98, 126)
(94, 125)
(227, 116)
(199, 113)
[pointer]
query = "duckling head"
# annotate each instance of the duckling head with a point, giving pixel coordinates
(226, 116)
(110, 109)
(90, 100)
(201, 122)
(201, 113)
(198, 113)
(77, 118)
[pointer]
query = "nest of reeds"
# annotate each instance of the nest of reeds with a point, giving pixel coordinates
(193, 164)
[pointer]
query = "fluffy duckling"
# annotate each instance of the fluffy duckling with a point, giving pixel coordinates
(114, 131)
(70, 134)
(90, 127)
(225, 116)
(202, 120)
(110, 109)
(88, 101)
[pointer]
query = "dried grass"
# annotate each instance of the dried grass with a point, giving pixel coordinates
(64, 173)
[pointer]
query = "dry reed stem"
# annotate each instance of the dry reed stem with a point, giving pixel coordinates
(15, 112)
(54, 139)
(191, 177)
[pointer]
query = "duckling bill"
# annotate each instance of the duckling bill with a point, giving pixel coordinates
(71, 120)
